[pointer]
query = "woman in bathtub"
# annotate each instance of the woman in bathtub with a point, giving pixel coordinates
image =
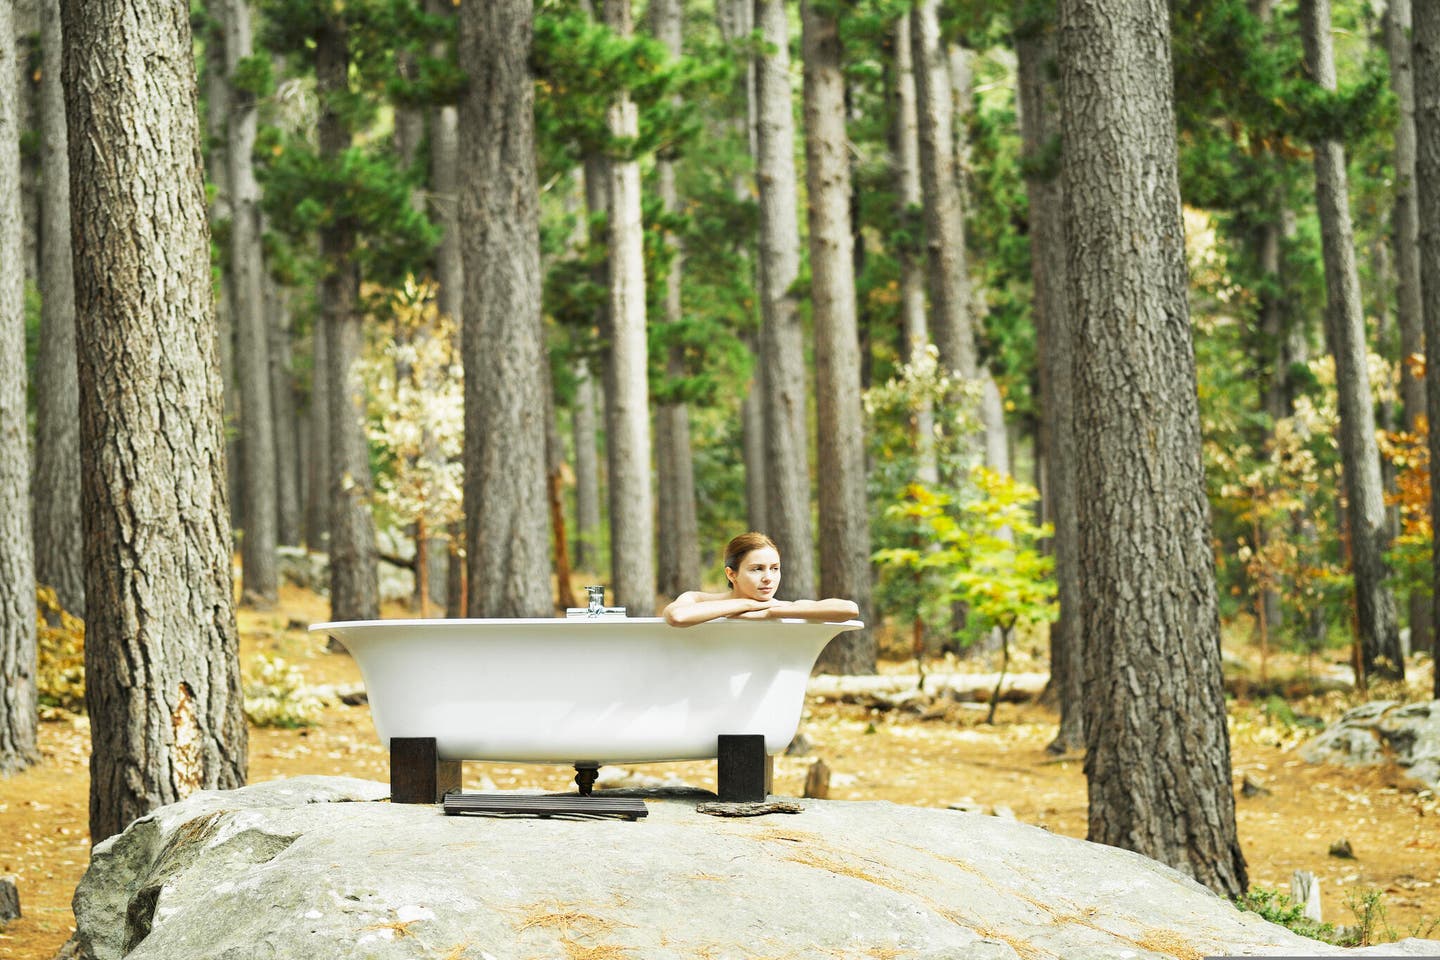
(752, 565)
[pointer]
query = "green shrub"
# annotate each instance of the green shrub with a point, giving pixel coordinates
(1278, 908)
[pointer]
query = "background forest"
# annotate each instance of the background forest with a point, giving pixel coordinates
(509, 294)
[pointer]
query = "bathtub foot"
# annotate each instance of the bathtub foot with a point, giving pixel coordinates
(745, 770)
(585, 774)
(417, 774)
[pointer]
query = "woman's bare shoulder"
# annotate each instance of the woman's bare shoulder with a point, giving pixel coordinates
(700, 596)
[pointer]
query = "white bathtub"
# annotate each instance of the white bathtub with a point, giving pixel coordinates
(584, 691)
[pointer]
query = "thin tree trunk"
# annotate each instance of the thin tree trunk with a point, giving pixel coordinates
(1369, 538)
(1035, 48)
(27, 18)
(59, 554)
(914, 326)
(1406, 241)
(449, 266)
(1426, 49)
(678, 534)
(18, 651)
(1275, 392)
(587, 471)
(260, 575)
(782, 335)
(950, 327)
(844, 512)
(288, 514)
(506, 513)
(737, 21)
(217, 112)
(1158, 763)
(627, 392)
(317, 465)
(354, 577)
(161, 646)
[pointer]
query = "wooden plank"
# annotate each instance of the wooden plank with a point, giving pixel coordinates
(546, 805)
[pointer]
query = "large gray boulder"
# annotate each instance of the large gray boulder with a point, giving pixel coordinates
(1386, 730)
(290, 869)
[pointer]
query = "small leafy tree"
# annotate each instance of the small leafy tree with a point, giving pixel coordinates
(415, 417)
(985, 553)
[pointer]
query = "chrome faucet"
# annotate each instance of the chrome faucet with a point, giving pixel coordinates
(595, 600)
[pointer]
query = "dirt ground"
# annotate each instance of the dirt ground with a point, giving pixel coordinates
(1393, 830)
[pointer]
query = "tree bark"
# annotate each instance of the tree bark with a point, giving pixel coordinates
(449, 266)
(587, 472)
(59, 554)
(354, 577)
(506, 512)
(950, 326)
(260, 574)
(914, 325)
(678, 534)
(1406, 241)
(288, 513)
(1426, 49)
(844, 511)
(627, 390)
(317, 463)
(18, 651)
(1158, 763)
(1345, 326)
(161, 647)
(217, 112)
(736, 19)
(782, 335)
(1035, 48)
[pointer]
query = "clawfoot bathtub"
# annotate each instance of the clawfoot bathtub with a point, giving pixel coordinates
(582, 691)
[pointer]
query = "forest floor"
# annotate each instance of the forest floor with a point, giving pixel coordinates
(1393, 829)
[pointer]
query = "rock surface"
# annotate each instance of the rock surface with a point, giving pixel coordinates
(1383, 731)
(289, 869)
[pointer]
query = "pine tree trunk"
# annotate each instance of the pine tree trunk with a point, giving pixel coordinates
(950, 327)
(1345, 326)
(506, 511)
(782, 335)
(288, 514)
(1158, 763)
(1274, 374)
(59, 554)
(736, 19)
(18, 649)
(1406, 241)
(449, 267)
(844, 511)
(317, 464)
(217, 112)
(27, 18)
(678, 533)
(161, 646)
(354, 575)
(257, 419)
(627, 392)
(584, 424)
(914, 325)
(1426, 34)
(1035, 48)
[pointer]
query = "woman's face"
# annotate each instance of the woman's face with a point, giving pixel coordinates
(758, 576)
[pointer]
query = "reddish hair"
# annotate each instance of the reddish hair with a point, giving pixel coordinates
(736, 549)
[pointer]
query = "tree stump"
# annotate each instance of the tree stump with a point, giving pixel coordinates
(817, 781)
